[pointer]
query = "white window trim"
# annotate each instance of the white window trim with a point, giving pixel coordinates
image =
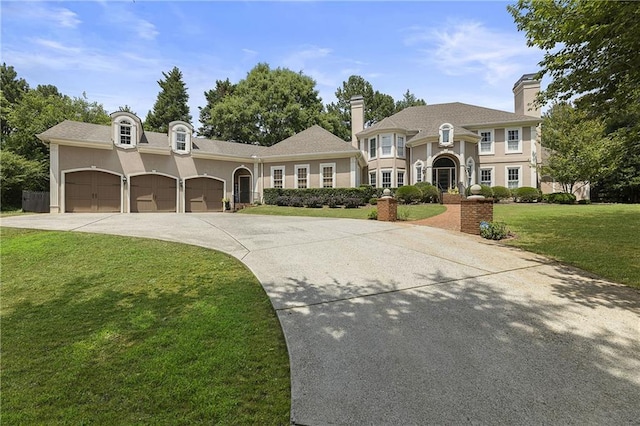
(506, 140)
(295, 181)
(404, 146)
(375, 176)
(134, 132)
(382, 172)
(174, 140)
(445, 126)
(371, 157)
(391, 153)
(506, 175)
(417, 164)
(493, 142)
(333, 169)
(492, 169)
(273, 168)
(404, 177)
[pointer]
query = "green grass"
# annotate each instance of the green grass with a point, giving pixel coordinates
(602, 239)
(410, 212)
(104, 330)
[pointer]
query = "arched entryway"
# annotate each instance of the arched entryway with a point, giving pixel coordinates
(242, 186)
(445, 173)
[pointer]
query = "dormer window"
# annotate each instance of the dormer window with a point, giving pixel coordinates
(446, 135)
(125, 128)
(125, 132)
(180, 137)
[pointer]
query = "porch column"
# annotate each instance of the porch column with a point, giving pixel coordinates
(54, 178)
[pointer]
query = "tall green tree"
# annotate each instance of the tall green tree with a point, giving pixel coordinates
(376, 105)
(591, 55)
(223, 89)
(12, 89)
(577, 147)
(269, 105)
(171, 104)
(408, 100)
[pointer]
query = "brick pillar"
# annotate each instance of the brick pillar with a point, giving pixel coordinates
(387, 209)
(474, 211)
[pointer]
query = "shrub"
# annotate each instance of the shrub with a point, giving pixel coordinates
(373, 201)
(500, 193)
(561, 198)
(403, 213)
(430, 193)
(527, 194)
(408, 194)
(373, 214)
(493, 230)
(334, 202)
(295, 202)
(352, 202)
(281, 200)
(314, 202)
(585, 201)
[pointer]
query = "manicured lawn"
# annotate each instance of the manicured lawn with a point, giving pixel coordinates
(410, 212)
(111, 330)
(603, 239)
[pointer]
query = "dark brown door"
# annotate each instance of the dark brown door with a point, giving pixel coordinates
(92, 191)
(245, 189)
(153, 193)
(203, 195)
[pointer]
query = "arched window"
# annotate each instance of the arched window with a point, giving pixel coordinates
(419, 171)
(446, 134)
(125, 132)
(181, 139)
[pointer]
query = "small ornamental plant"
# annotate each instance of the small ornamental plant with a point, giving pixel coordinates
(493, 230)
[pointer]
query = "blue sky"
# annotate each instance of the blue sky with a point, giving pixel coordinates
(116, 51)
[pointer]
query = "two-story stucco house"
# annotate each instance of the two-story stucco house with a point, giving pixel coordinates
(123, 168)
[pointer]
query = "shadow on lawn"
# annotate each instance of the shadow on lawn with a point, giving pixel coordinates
(457, 351)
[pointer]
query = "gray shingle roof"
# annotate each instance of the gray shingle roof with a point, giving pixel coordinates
(426, 120)
(314, 140)
(310, 141)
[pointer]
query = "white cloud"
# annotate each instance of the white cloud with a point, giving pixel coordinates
(298, 60)
(41, 13)
(470, 48)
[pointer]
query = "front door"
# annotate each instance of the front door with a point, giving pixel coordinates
(245, 189)
(444, 173)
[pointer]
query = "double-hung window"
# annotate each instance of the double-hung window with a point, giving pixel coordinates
(125, 132)
(486, 177)
(513, 177)
(373, 148)
(181, 139)
(277, 177)
(400, 146)
(386, 145)
(514, 140)
(486, 142)
(386, 178)
(400, 181)
(419, 176)
(302, 176)
(327, 175)
(372, 179)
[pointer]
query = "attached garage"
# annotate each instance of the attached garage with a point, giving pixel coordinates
(153, 193)
(203, 195)
(92, 192)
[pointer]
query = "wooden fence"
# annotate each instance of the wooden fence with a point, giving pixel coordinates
(33, 201)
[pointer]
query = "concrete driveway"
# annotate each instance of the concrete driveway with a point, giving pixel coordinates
(403, 324)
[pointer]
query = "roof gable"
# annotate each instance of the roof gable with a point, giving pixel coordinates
(313, 140)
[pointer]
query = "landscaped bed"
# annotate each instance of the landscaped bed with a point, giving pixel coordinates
(104, 329)
(406, 212)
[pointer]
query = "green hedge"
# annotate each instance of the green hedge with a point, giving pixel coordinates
(500, 193)
(321, 196)
(560, 198)
(430, 194)
(408, 194)
(527, 194)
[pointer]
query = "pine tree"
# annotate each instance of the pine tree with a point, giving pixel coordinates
(171, 104)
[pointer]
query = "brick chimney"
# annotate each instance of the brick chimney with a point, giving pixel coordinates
(357, 118)
(524, 94)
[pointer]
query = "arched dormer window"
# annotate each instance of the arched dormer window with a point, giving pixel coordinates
(446, 135)
(180, 137)
(125, 129)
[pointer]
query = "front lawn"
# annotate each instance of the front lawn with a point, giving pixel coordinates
(103, 329)
(409, 212)
(603, 239)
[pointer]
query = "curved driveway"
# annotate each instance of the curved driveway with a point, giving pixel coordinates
(403, 324)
